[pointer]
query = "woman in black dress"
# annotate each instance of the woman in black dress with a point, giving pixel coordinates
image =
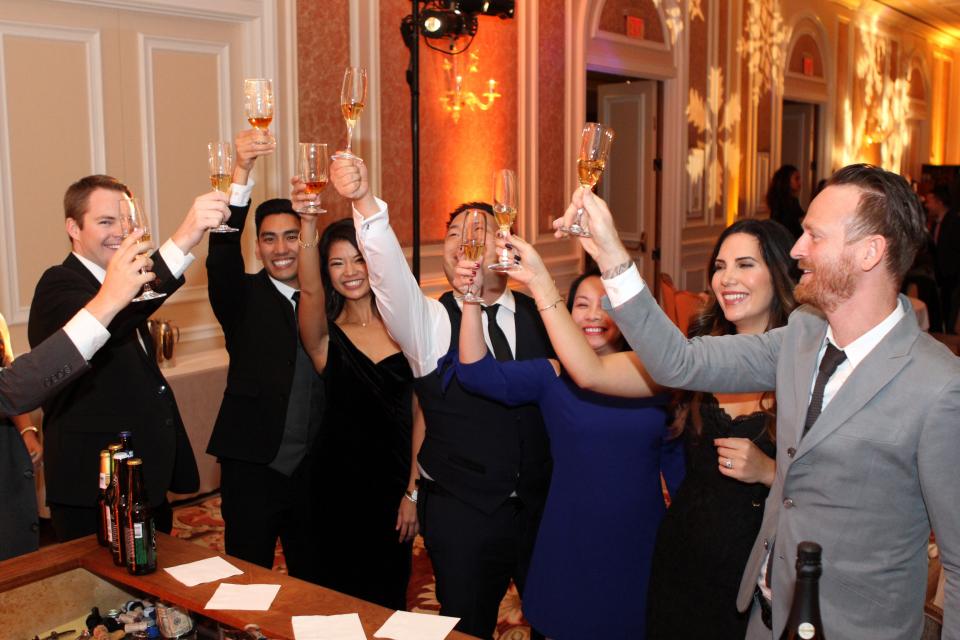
(365, 470)
(783, 199)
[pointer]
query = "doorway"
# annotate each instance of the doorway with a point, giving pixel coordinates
(631, 180)
(800, 144)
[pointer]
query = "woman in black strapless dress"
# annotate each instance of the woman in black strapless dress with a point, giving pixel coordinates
(365, 471)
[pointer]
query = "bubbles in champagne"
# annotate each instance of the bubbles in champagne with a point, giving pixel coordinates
(588, 171)
(472, 249)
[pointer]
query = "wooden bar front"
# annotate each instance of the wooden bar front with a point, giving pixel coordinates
(294, 598)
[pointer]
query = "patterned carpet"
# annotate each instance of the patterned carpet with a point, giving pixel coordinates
(202, 524)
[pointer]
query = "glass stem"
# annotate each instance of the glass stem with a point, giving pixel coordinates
(349, 138)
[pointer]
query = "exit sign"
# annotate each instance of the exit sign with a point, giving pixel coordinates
(635, 27)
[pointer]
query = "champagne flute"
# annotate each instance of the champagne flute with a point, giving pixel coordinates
(473, 242)
(505, 213)
(594, 149)
(312, 166)
(258, 102)
(353, 97)
(132, 218)
(220, 161)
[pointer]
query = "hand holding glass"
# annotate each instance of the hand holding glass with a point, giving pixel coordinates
(220, 161)
(473, 242)
(132, 218)
(313, 164)
(594, 149)
(505, 212)
(353, 97)
(258, 103)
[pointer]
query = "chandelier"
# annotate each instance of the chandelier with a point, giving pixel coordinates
(455, 96)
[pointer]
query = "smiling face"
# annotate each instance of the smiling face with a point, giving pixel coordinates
(278, 248)
(601, 332)
(742, 283)
(348, 271)
(827, 263)
(453, 239)
(99, 235)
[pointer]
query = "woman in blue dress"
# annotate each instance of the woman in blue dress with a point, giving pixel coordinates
(591, 561)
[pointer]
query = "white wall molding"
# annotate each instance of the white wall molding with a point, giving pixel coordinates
(365, 52)
(14, 310)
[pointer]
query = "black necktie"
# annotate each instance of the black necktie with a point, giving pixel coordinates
(831, 360)
(296, 302)
(501, 348)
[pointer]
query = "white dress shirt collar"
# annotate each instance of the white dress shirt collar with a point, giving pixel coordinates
(98, 272)
(284, 289)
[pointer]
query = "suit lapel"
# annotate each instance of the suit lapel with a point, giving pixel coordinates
(74, 264)
(875, 371)
(281, 300)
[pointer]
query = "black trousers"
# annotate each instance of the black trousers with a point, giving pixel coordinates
(475, 555)
(260, 505)
(71, 522)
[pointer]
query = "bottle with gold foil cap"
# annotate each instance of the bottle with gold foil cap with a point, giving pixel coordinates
(103, 519)
(138, 527)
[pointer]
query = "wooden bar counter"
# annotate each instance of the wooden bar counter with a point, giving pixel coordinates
(61, 582)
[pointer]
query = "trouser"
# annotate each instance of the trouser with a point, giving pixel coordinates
(260, 505)
(475, 555)
(71, 522)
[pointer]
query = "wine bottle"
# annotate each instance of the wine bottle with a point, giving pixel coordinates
(804, 621)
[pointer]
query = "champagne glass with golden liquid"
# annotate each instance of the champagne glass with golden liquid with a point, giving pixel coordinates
(353, 97)
(220, 161)
(473, 242)
(313, 169)
(134, 217)
(258, 103)
(594, 149)
(505, 213)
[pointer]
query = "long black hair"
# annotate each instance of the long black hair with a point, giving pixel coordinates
(780, 192)
(341, 230)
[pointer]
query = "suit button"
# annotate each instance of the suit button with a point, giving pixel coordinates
(168, 422)
(788, 503)
(28, 473)
(766, 543)
(791, 452)
(35, 527)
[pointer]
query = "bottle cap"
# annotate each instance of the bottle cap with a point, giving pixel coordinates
(113, 448)
(809, 552)
(131, 462)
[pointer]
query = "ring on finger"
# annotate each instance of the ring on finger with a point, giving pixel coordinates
(728, 463)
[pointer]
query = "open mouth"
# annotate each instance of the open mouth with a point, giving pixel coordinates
(594, 331)
(352, 284)
(282, 263)
(734, 298)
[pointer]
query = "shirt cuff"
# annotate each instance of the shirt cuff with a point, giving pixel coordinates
(177, 261)
(379, 221)
(622, 287)
(240, 193)
(86, 333)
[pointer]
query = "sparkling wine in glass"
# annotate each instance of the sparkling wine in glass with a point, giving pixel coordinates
(220, 162)
(132, 218)
(353, 97)
(258, 103)
(594, 149)
(505, 213)
(313, 163)
(473, 242)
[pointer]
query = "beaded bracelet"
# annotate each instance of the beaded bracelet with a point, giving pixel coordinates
(309, 245)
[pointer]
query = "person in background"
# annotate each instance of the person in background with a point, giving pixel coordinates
(591, 559)
(372, 426)
(946, 251)
(270, 413)
(783, 199)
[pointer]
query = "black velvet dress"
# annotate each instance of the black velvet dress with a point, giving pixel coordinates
(706, 536)
(362, 470)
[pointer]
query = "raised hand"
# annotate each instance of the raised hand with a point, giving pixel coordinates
(124, 278)
(247, 150)
(468, 274)
(605, 246)
(532, 272)
(208, 211)
(349, 178)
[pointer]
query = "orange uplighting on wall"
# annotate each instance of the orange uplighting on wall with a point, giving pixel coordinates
(458, 96)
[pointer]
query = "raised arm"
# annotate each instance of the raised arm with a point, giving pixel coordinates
(472, 345)
(311, 311)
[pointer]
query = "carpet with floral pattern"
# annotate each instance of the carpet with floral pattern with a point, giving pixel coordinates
(201, 523)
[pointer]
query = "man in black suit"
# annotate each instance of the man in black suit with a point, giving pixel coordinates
(125, 389)
(946, 241)
(269, 416)
(485, 468)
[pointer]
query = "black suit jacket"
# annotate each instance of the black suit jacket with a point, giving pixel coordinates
(948, 247)
(123, 390)
(34, 376)
(261, 336)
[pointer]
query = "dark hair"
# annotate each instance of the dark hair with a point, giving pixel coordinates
(591, 272)
(341, 230)
(887, 207)
(821, 184)
(483, 206)
(780, 192)
(272, 207)
(77, 197)
(775, 244)
(942, 193)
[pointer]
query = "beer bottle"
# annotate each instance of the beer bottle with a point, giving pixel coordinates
(103, 522)
(118, 505)
(126, 441)
(804, 621)
(104, 514)
(138, 524)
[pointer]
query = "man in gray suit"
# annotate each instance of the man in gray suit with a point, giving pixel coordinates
(868, 411)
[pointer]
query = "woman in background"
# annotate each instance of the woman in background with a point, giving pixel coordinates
(783, 199)
(366, 453)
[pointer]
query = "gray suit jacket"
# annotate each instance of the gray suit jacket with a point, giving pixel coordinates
(34, 376)
(880, 466)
